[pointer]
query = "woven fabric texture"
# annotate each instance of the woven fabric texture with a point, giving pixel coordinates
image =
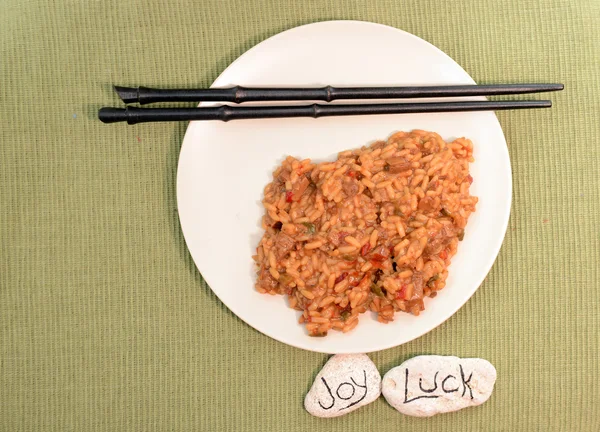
(105, 323)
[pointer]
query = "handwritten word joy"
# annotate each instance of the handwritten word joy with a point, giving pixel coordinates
(345, 392)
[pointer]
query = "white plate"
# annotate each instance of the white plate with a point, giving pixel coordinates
(223, 168)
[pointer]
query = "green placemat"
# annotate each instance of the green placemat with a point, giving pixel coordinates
(105, 323)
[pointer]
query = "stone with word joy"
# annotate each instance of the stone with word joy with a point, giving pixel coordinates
(427, 385)
(346, 382)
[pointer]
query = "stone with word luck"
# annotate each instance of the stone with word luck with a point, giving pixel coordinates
(346, 382)
(427, 385)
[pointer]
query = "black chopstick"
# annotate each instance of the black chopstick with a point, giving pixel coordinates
(238, 94)
(133, 115)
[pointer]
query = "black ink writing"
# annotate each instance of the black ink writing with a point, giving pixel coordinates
(345, 384)
(430, 393)
(406, 399)
(330, 394)
(466, 383)
(344, 392)
(361, 386)
(444, 385)
(434, 384)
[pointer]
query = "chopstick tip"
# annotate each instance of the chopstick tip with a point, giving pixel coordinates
(112, 115)
(127, 94)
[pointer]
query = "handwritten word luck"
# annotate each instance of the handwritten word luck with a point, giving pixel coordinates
(447, 384)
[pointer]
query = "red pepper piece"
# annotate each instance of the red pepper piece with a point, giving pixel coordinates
(341, 277)
(401, 294)
(365, 249)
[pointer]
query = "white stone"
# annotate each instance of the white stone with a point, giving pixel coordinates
(427, 385)
(346, 382)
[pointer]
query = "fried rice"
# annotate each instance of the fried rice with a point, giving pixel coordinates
(374, 230)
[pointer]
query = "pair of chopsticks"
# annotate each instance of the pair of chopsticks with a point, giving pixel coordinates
(238, 94)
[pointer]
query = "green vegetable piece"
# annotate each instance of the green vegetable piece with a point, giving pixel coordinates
(398, 212)
(377, 291)
(432, 280)
(310, 226)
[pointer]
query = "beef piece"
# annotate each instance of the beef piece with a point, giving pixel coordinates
(350, 188)
(283, 244)
(417, 280)
(427, 204)
(266, 281)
